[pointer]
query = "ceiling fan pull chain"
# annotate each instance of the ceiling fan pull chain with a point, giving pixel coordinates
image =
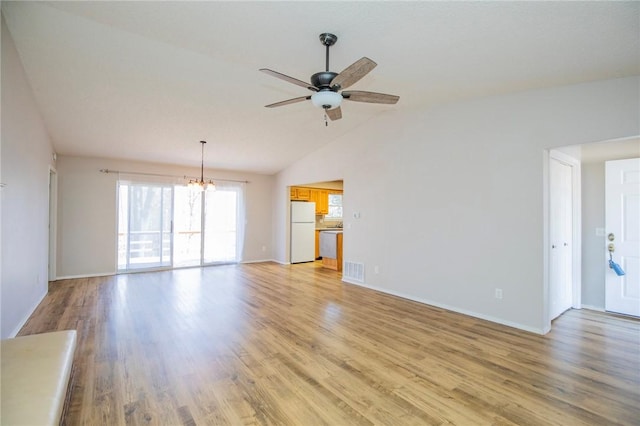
(326, 123)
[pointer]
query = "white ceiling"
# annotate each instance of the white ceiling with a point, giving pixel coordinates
(148, 80)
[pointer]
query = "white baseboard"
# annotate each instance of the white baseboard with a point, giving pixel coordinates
(259, 261)
(593, 308)
(452, 308)
(73, 277)
(24, 320)
(280, 262)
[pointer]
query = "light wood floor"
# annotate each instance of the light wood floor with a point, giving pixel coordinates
(274, 344)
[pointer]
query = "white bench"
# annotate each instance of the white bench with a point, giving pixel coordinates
(35, 375)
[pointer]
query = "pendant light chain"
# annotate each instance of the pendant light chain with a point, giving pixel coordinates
(202, 163)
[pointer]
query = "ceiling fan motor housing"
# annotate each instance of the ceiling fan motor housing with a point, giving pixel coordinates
(322, 80)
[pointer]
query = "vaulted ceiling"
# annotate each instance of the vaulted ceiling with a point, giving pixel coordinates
(148, 80)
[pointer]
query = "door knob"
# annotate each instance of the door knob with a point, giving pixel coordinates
(611, 237)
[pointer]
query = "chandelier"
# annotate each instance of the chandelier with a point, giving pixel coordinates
(201, 184)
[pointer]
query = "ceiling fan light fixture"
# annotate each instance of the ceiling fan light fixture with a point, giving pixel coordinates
(326, 99)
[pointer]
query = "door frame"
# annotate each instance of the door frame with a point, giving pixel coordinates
(576, 234)
(53, 223)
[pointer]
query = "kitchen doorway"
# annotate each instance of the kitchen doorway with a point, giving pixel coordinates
(327, 197)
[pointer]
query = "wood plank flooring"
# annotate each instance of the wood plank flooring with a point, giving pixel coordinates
(272, 344)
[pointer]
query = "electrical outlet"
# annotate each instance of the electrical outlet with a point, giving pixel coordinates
(264, 248)
(498, 293)
(376, 269)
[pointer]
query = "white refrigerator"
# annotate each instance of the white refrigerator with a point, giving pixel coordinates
(303, 231)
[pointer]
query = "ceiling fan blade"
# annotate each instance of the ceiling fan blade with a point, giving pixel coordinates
(295, 81)
(353, 73)
(288, 101)
(334, 114)
(370, 97)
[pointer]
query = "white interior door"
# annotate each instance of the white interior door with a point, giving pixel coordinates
(561, 237)
(622, 211)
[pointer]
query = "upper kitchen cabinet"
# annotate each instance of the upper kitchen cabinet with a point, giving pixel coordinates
(321, 198)
(300, 194)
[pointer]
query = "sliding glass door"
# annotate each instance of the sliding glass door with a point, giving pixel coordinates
(220, 226)
(144, 226)
(187, 237)
(165, 226)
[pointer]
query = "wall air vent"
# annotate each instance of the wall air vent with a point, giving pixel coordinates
(353, 271)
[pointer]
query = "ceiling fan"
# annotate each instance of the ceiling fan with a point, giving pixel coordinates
(327, 85)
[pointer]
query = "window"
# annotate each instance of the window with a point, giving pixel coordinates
(335, 207)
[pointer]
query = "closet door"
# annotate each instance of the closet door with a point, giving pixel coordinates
(561, 231)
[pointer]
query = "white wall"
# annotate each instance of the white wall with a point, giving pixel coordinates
(463, 186)
(26, 157)
(87, 215)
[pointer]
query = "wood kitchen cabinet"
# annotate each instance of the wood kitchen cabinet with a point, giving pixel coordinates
(317, 244)
(322, 205)
(300, 194)
(321, 198)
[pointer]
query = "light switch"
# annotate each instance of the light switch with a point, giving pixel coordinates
(599, 232)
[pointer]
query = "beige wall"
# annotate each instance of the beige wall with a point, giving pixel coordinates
(452, 199)
(593, 252)
(87, 216)
(26, 158)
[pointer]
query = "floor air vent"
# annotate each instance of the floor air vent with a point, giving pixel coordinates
(353, 271)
